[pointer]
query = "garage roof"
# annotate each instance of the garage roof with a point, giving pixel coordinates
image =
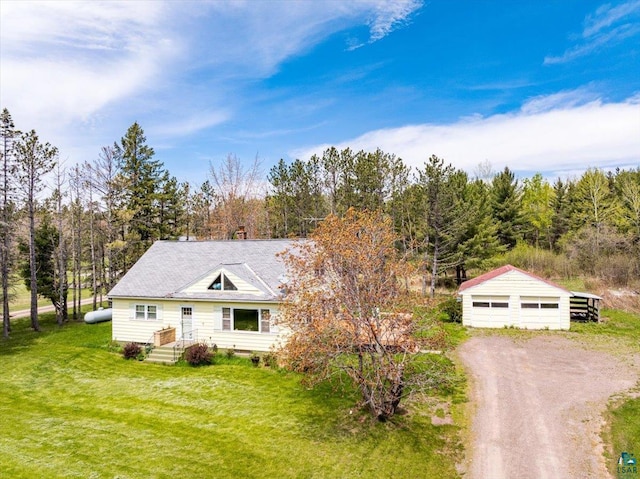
(499, 272)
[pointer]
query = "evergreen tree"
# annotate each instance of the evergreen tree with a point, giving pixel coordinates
(141, 177)
(34, 161)
(561, 212)
(506, 207)
(440, 187)
(171, 208)
(46, 241)
(279, 199)
(371, 175)
(479, 241)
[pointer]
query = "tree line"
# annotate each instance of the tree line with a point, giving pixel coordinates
(67, 229)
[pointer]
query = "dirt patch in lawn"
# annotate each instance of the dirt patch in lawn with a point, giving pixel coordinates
(538, 406)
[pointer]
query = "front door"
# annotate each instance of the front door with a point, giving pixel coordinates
(187, 322)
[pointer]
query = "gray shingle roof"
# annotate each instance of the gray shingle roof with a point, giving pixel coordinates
(169, 266)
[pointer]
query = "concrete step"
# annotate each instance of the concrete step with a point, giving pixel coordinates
(161, 355)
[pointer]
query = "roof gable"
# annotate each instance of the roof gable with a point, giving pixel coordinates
(506, 269)
(240, 275)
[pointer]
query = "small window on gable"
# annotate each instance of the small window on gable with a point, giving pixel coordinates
(228, 285)
(222, 283)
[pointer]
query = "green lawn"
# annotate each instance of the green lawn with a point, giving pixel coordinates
(72, 408)
(20, 298)
(624, 434)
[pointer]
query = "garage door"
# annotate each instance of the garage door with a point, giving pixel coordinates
(490, 311)
(539, 312)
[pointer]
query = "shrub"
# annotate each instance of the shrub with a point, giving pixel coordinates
(132, 351)
(114, 347)
(452, 308)
(198, 355)
(255, 359)
(270, 360)
(230, 353)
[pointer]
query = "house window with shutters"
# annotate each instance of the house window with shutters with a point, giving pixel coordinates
(245, 319)
(146, 312)
(265, 320)
(226, 319)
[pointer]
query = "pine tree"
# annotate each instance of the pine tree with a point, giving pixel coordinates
(506, 207)
(8, 134)
(141, 177)
(34, 161)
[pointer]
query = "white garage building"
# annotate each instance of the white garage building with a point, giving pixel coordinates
(509, 296)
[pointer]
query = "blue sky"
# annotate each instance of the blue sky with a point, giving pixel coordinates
(540, 86)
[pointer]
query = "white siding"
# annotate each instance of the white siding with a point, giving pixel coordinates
(206, 319)
(519, 288)
(128, 329)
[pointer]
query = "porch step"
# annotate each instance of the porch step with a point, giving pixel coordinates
(162, 355)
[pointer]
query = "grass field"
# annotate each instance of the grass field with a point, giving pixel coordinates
(21, 297)
(71, 407)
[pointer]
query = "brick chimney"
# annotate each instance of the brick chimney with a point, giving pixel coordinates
(241, 234)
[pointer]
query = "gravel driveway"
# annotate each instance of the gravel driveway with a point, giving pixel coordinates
(538, 406)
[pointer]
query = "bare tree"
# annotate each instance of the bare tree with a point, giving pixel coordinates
(8, 133)
(89, 183)
(76, 213)
(234, 189)
(104, 174)
(62, 253)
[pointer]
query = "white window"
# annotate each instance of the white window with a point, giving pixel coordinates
(244, 319)
(146, 312)
(265, 320)
(535, 302)
(226, 319)
(490, 301)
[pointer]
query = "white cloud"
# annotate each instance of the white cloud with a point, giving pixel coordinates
(388, 16)
(607, 26)
(561, 100)
(606, 15)
(75, 64)
(63, 62)
(254, 38)
(189, 125)
(552, 140)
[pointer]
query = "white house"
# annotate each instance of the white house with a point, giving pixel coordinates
(508, 296)
(223, 292)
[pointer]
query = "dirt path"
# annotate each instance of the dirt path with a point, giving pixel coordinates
(24, 313)
(539, 404)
